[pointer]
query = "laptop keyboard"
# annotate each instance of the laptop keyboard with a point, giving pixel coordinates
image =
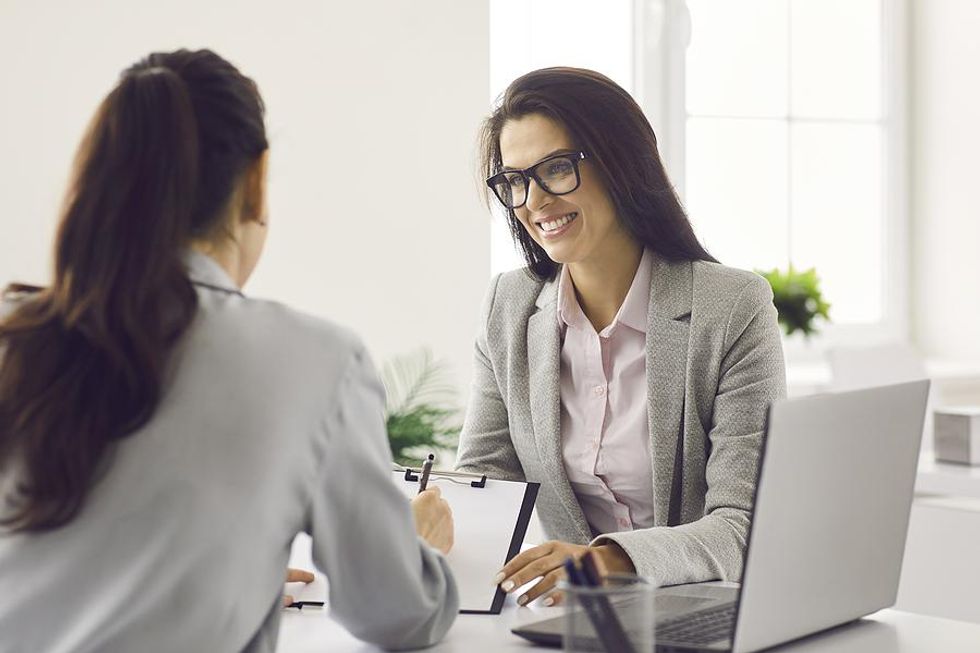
(698, 628)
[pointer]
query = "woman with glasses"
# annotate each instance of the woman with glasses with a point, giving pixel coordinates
(624, 369)
(163, 436)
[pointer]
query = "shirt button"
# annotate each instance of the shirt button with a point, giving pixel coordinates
(599, 390)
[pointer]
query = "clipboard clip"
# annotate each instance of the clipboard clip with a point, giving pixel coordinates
(476, 480)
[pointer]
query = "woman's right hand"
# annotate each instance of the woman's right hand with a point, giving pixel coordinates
(433, 519)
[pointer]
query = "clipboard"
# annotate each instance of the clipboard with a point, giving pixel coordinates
(490, 518)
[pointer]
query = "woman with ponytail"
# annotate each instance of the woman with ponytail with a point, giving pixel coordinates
(163, 437)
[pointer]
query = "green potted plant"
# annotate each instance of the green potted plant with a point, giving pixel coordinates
(798, 299)
(419, 411)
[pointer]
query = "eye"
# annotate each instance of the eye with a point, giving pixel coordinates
(559, 168)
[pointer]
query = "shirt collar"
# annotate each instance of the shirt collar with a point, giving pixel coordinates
(569, 311)
(633, 312)
(205, 271)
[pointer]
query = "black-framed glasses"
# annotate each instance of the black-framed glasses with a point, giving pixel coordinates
(556, 175)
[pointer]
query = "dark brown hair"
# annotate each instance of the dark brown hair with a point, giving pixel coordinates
(604, 121)
(83, 361)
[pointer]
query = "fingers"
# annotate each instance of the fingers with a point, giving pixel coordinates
(431, 493)
(298, 576)
(545, 585)
(287, 600)
(555, 598)
(521, 560)
(536, 569)
(433, 518)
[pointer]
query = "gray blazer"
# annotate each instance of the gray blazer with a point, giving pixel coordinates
(270, 425)
(714, 364)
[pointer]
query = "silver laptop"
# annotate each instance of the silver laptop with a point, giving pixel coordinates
(827, 538)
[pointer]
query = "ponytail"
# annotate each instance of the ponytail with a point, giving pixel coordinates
(82, 363)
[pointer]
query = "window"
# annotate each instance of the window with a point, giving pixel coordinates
(781, 123)
(789, 135)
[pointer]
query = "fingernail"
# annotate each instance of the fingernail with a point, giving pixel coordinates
(548, 601)
(522, 600)
(507, 586)
(499, 577)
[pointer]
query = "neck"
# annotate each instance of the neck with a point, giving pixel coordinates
(226, 255)
(601, 286)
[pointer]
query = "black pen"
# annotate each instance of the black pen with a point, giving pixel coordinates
(598, 608)
(299, 604)
(426, 470)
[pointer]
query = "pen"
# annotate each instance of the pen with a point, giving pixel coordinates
(299, 604)
(426, 470)
(573, 573)
(598, 608)
(590, 571)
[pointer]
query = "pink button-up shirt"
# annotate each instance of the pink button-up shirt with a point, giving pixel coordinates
(604, 427)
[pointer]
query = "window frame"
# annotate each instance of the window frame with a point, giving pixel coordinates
(661, 32)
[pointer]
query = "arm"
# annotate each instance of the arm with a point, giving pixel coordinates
(386, 585)
(485, 446)
(752, 375)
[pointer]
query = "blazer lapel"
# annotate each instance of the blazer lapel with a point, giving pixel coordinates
(671, 288)
(544, 372)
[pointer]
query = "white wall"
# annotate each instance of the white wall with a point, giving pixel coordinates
(946, 177)
(373, 109)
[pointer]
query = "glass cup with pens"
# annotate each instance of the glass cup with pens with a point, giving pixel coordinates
(614, 614)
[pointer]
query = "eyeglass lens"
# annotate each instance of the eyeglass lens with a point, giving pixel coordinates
(556, 176)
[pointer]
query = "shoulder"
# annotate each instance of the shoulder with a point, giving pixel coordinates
(519, 286)
(723, 278)
(512, 296)
(272, 331)
(726, 289)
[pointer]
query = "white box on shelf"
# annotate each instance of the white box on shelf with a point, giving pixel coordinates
(956, 435)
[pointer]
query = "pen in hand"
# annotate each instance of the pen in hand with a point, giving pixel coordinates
(426, 470)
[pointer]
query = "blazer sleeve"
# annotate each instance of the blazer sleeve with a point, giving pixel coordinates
(387, 586)
(485, 445)
(752, 375)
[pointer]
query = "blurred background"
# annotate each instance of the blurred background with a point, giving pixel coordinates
(832, 135)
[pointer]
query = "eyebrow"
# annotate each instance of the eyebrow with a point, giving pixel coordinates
(561, 150)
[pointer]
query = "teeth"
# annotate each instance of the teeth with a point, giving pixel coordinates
(560, 222)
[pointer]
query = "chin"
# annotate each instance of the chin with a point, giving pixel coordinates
(561, 255)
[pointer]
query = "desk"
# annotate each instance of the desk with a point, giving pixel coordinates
(887, 631)
(947, 479)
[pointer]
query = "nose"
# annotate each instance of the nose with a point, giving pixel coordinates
(537, 197)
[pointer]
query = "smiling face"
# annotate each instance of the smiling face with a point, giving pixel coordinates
(579, 227)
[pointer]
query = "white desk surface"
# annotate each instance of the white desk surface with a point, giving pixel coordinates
(887, 631)
(947, 478)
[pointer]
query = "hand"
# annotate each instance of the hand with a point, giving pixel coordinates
(295, 576)
(433, 519)
(546, 562)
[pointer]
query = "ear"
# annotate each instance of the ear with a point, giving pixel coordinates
(254, 189)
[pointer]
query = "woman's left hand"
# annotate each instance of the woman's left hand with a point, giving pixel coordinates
(547, 563)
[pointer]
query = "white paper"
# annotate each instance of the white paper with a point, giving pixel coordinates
(484, 520)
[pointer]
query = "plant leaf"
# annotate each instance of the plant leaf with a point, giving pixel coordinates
(798, 299)
(420, 410)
